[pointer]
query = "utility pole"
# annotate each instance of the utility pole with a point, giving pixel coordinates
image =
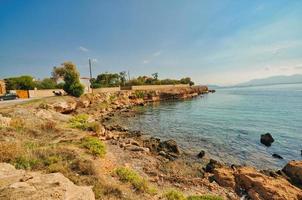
(90, 71)
(128, 75)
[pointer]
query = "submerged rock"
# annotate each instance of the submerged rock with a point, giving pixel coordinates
(267, 139)
(277, 156)
(293, 170)
(201, 154)
(19, 184)
(212, 165)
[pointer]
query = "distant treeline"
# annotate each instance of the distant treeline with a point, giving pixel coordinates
(102, 80)
(29, 83)
(119, 79)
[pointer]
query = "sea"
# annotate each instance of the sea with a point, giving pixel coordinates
(227, 124)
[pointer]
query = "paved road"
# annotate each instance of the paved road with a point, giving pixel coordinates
(13, 102)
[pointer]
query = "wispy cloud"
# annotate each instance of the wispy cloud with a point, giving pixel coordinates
(84, 49)
(152, 56)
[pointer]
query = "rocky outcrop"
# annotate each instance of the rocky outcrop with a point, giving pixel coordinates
(293, 170)
(65, 107)
(267, 139)
(19, 184)
(169, 146)
(201, 154)
(256, 185)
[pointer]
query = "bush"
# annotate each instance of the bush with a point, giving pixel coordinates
(129, 176)
(94, 145)
(204, 197)
(174, 195)
(139, 94)
(79, 121)
(25, 162)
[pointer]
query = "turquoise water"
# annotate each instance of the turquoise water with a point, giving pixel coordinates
(228, 124)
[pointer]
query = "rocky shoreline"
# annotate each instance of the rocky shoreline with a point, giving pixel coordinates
(163, 162)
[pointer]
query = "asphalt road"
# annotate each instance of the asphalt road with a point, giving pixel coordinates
(13, 102)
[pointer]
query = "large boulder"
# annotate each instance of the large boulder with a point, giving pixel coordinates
(262, 187)
(267, 139)
(169, 146)
(224, 177)
(19, 184)
(293, 170)
(65, 107)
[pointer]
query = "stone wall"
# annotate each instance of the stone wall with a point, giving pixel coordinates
(109, 89)
(43, 93)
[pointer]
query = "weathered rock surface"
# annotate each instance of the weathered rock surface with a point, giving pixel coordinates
(169, 146)
(257, 185)
(65, 107)
(267, 139)
(4, 121)
(19, 184)
(293, 170)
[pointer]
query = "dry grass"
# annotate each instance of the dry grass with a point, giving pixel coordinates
(49, 126)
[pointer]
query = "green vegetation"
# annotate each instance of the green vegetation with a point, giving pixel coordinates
(139, 94)
(48, 83)
(69, 72)
(173, 194)
(81, 122)
(20, 83)
(95, 146)
(204, 197)
(139, 183)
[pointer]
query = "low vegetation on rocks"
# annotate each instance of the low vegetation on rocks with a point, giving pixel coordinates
(94, 146)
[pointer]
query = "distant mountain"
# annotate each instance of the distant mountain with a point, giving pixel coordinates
(297, 78)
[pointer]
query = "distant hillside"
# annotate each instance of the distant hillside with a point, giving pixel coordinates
(297, 78)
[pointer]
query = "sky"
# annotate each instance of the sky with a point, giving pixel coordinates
(213, 41)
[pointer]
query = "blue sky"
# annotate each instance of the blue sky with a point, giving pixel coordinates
(214, 42)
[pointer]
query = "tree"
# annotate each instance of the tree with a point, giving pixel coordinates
(123, 75)
(155, 76)
(71, 76)
(47, 83)
(20, 83)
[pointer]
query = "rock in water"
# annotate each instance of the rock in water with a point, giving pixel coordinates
(267, 139)
(201, 154)
(293, 170)
(19, 184)
(169, 146)
(277, 156)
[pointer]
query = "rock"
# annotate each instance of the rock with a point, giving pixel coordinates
(137, 148)
(4, 121)
(293, 170)
(224, 177)
(212, 165)
(44, 114)
(152, 143)
(277, 156)
(65, 107)
(262, 187)
(83, 103)
(267, 139)
(18, 184)
(201, 154)
(169, 146)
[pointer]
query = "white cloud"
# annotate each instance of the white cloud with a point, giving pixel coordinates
(84, 49)
(146, 61)
(158, 53)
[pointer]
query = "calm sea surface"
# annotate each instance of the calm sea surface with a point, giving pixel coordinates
(228, 124)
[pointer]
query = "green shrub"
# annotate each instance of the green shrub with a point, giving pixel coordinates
(23, 162)
(129, 176)
(81, 122)
(94, 145)
(204, 197)
(174, 195)
(139, 94)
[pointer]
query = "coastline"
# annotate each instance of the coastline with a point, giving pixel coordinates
(163, 162)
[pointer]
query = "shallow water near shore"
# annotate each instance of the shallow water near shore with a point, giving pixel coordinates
(228, 124)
